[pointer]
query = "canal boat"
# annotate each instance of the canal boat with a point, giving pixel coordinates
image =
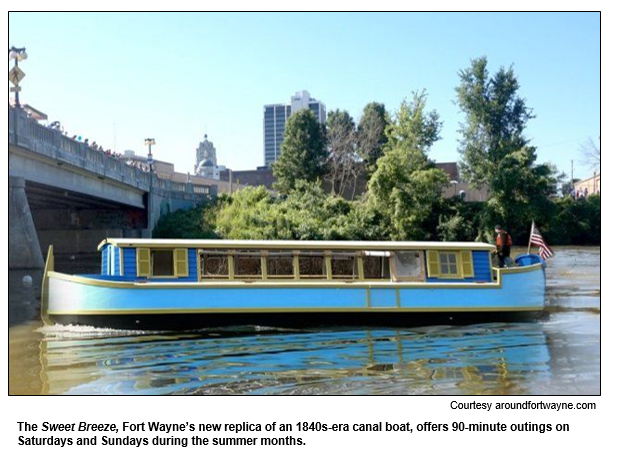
(189, 284)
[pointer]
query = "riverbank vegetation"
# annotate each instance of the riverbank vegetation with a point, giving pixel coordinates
(403, 197)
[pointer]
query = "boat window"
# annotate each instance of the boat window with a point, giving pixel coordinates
(408, 265)
(312, 264)
(376, 267)
(450, 264)
(447, 264)
(247, 264)
(162, 263)
(344, 266)
(215, 264)
(280, 264)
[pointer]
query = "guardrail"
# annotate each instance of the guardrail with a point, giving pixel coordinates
(28, 133)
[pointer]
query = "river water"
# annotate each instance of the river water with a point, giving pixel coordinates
(559, 354)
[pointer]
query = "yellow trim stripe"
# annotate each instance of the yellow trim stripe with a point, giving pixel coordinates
(294, 283)
(509, 270)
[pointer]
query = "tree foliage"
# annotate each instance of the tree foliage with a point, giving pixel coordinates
(459, 220)
(406, 186)
(247, 214)
(307, 213)
(195, 223)
(575, 221)
(344, 167)
(303, 152)
(372, 137)
(495, 118)
(314, 215)
(404, 198)
(495, 151)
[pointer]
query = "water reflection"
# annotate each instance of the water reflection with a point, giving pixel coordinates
(480, 359)
(559, 355)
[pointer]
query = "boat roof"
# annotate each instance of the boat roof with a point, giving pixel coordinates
(293, 244)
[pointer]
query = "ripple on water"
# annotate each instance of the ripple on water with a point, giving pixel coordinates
(473, 359)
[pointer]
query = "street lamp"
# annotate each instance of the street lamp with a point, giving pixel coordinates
(149, 142)
(16, 74)
(18, 54)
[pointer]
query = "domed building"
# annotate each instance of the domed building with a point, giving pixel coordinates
(205, 160)
(205, 168)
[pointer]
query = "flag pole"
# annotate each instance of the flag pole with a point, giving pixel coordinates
(530, 233)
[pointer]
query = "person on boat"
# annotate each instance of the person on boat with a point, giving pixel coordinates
(503, 241)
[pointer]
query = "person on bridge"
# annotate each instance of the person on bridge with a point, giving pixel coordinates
(503, 242)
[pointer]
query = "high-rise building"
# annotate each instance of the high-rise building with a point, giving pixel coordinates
(276, 116)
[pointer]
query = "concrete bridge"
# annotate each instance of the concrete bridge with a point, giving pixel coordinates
(65, 193)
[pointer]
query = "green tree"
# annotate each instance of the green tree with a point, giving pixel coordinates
(406, 186)
(366, 221)
(311, 214)
(247, 214)
(195, 223)
(307, 213)
(575, 221)
(303, 152)
(371, 137)
(459, 220)
(344, 167)
(495, 151)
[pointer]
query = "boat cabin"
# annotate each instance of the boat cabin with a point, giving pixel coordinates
(252, 261)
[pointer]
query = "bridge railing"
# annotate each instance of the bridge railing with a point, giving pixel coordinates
(28, 133)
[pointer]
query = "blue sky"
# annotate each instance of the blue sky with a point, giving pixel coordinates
(118, 78)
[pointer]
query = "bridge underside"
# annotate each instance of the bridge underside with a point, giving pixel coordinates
(68, 194)
(36, 168)
(75, 223)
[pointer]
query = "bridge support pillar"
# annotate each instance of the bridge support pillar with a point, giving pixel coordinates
(24, 249)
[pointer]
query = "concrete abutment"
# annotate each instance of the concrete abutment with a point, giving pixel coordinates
(24, 248)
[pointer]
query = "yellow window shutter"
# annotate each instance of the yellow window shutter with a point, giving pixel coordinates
(433, 263)
(181, 262)
(467, 264)
(143, 262)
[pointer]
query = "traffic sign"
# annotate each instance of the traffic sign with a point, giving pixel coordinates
(16, 75)
(16, 89)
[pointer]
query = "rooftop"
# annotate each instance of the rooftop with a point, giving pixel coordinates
(291, 244)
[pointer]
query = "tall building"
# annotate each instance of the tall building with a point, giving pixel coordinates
(276, 116)
(205, 160)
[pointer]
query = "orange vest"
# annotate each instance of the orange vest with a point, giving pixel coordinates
(499, 241)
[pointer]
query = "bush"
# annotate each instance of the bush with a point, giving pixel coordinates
(308, 213)
(577, 221)
(196, 223)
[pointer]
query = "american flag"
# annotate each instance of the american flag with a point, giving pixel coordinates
(536, 238)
